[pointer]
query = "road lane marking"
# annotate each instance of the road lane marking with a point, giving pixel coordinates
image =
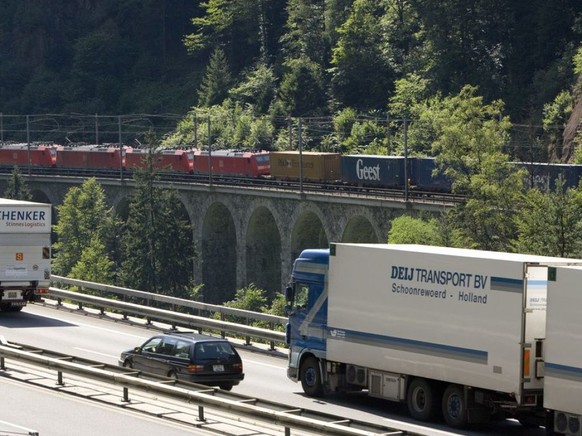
(29, 431)
(264, 364)
(85, 350)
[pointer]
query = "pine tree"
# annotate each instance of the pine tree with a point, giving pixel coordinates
(17, 187)
(157, 245)
(217, 80)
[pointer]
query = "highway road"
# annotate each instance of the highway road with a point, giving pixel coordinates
(83, 335)
(28, 408)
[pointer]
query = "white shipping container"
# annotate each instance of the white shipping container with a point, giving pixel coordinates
(563, 345)
(445, 314)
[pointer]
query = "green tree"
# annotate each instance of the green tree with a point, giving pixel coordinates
(231, 125)
(361, 77)
(549, 222)
(302, 91)
(470, 136)
(17, 188)
(408, 230)
(82, 216)
(157, 244)
(304, 37)
(257, 88)
(249, 28)
(217, 80)
(94, 264)
(248, 298)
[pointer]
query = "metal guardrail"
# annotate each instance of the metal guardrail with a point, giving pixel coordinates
(273, 413)
(149, 297)
(172, 317)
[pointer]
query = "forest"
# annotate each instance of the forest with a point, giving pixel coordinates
(476, 84)
(316, 59)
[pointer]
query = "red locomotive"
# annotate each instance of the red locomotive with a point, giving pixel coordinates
(89, 157)
(176, 160)
(23, 155)
(233, 163)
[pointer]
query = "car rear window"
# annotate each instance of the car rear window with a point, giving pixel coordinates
(214, 350)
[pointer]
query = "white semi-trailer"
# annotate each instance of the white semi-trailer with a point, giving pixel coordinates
(25, 252)
(452, 331)
(563, 350)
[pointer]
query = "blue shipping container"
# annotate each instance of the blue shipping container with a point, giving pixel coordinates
(376, 171)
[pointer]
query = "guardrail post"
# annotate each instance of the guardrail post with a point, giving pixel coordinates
(125, 398)
(60, 378)
(222, 333)
(2, 364)
(201, 413)
(248, 338)
(272, 343)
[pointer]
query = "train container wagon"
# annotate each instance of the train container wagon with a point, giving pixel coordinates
(543, 176)
(90, 157)
(233, 163)
(315, 166)
(376, 171)
(425, 176)
(176, 160)
(23, 155)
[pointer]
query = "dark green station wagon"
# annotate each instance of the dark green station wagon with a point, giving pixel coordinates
(189, 357)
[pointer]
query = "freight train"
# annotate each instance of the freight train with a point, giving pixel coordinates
(366, 171)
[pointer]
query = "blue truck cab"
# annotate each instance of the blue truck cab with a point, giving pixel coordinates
(306, 298)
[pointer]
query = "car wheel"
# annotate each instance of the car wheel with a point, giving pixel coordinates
(225, 386)
(127, 364)
(173, 375)
(311, 377)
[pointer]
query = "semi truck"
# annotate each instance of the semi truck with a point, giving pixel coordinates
(25, 256)
(563, 351)
(448, 331)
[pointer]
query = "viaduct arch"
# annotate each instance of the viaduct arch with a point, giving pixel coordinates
(245, 236)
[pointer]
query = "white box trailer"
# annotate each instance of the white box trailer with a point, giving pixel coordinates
(563, 350)
(25, 254)
(452, 330)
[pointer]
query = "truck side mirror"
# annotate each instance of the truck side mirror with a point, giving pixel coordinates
(289, 293)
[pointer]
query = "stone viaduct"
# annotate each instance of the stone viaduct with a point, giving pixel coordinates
(250, 235)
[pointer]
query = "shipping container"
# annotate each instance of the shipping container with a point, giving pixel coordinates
(377, 171)
(315, 166)
(425, 176)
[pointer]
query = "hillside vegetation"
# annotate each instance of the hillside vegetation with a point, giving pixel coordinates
(293, 58)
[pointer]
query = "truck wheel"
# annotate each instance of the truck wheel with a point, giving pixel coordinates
(422, 400)
(311, 377)
(454, 408)
(9, 308)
